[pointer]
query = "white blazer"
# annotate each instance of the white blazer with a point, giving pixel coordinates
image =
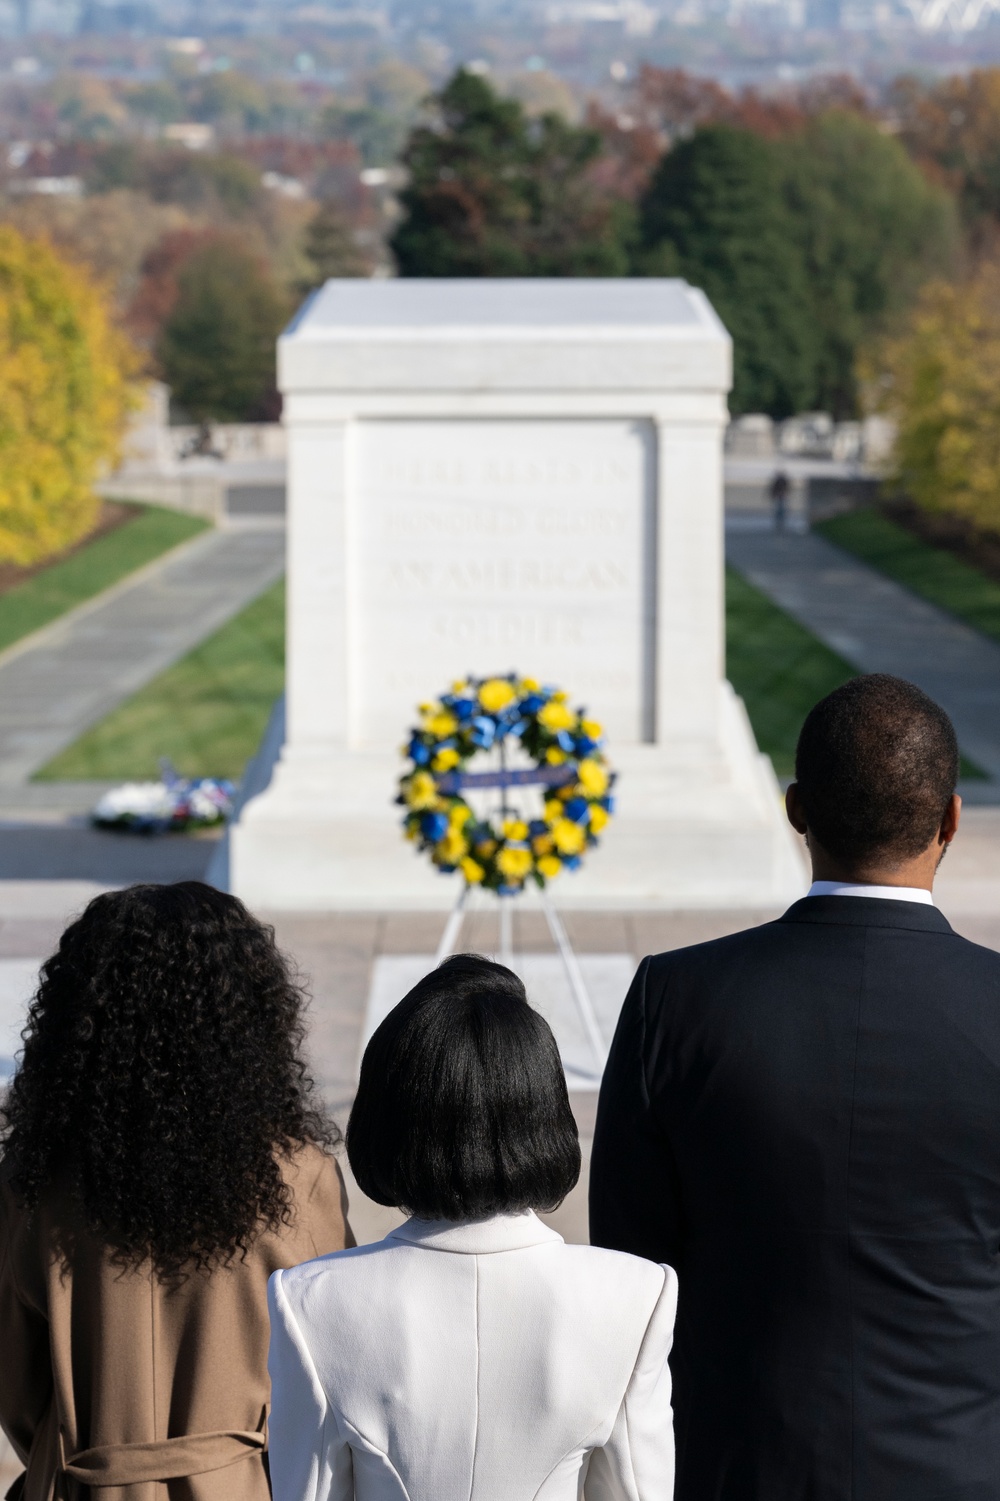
(486, 1361)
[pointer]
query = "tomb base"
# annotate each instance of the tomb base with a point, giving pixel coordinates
(696, 825)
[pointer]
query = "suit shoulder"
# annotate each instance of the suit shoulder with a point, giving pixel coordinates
(727, 949)
(986, 959)
(616, 1274)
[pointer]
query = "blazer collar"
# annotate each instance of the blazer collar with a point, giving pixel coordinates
(868, 912)
(503, 1232)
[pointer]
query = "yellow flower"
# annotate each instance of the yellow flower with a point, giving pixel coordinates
(471, 870)
(529, 685)
(452, 847)
(591, 729)
(459, 686)
(556, 716)
(441, 724)
(514, 863)
(446, 758)
(495, 694)
(550, 865)
(486, 848)
(599, 818)
(459, 815)
(515, 829)
(555, 756)
(542, 844)
(569, 837)
(593, 778)
(553, 809)
(421, 790)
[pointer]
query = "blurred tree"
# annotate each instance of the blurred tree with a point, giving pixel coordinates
(217, 346)
(330, 248)
(716, 213)
(109, 233)
(492, 193)
(158, 289)
(872, 229)
(64, 396)
(952, 127)
(940, 380)
(378, 118)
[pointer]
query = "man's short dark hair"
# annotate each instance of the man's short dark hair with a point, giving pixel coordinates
(876, 764)
(462, 1110)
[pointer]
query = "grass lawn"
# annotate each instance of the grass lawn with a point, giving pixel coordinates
(94, 567)
(207, 712)
(778, 668)
(931, 572)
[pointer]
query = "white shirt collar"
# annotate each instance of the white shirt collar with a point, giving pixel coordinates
(502, 1232)
(881, 893)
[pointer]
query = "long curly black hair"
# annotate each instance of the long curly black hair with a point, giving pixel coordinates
(162, 1077)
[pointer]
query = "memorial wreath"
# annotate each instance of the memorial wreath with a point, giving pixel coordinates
(502, 852)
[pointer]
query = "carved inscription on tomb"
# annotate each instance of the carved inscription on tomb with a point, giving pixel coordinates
(485, 546)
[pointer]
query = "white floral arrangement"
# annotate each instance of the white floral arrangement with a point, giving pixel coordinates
(173, 805)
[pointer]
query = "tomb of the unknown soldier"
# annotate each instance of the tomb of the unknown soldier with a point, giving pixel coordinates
(488, 477)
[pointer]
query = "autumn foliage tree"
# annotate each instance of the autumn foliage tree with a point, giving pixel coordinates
(65, 393)
(940, 380)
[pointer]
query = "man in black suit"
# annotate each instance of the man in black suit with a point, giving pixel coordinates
(804, 1120)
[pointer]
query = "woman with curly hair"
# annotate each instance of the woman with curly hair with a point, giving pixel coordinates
(163, 1154)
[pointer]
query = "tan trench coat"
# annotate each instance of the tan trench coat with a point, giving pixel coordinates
(148, 1391)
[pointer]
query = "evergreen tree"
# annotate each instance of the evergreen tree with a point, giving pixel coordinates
(217, 347)
(495, 193)
(715, 213)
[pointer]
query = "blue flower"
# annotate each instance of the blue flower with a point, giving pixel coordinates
(531, 704)
(483, 732)
(537, 826)
(584, 745)
(572, 862)
(576, 809)
(565, 741)
(463, 709)
(419, 752)
(434, 826)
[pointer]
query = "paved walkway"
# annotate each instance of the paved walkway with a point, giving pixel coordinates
(75, 671)
(878, 626)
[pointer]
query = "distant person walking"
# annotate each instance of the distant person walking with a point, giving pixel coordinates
(802, 1120)
(779, 490)
(163, 1155)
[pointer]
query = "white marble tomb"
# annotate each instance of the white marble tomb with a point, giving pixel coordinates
(489, 476)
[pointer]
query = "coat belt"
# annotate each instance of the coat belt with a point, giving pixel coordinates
(164, 1459)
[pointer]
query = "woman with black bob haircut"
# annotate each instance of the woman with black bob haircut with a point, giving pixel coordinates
(162, 1155)
(471, 1353)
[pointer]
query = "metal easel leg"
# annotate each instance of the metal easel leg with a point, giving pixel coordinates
(452, 928)
(577, 984)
